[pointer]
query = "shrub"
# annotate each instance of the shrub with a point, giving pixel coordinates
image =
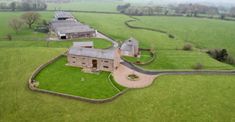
(188, 47)
(171, 36)
(9, 37)
(198, 66)
(218, 54)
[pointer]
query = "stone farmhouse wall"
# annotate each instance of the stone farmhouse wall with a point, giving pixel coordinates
(86, 62)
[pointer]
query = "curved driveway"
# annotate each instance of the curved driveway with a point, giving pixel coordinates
(137, 69)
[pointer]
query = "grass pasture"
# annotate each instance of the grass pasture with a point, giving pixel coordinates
(98, 43)
(167, 49)
(87, 5)
(25, 33)
(204, 33)
(171, 98)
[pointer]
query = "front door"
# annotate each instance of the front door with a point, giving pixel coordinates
(94, 64)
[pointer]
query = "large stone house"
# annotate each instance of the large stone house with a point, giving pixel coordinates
(130, 47)
(93, 59)
(66, 27)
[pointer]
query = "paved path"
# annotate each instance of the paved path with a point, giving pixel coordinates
(120, 75)
(137, 69)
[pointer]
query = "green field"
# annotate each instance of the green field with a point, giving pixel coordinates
(98, 43)
(87, 5)
(204, 33)
(113, 25)
(171, 98)
(25, 33)
(166, 48)
(71, 80)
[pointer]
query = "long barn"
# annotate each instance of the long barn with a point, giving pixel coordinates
(66, 27)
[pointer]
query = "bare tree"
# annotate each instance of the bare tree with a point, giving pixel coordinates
(13, 6)
(30, 18)
(16, 24)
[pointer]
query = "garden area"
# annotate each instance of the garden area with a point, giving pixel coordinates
(146, 57)
(58, 77)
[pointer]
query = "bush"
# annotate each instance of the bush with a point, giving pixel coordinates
(198, 66)
(171, 36)
(9, 37)
(188, 47)
(219, 54)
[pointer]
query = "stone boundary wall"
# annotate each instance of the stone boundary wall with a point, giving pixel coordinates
(32, 87)
(143, 28)
(153, 57)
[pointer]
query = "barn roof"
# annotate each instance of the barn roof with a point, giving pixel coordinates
(129, 44)
(83, 44)
(91, 52)
(62, 14)
(70, 26)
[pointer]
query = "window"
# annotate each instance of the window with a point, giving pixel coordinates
(74, 62)
(106, 67)
(83, 63)
(73, 57)
(106, 61)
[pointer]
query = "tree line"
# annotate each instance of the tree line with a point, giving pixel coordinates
(192, 10)
(24, 5)
(29, 19)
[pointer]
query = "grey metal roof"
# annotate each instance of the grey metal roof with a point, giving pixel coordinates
(66, 23)
(70, 26)
(129, 44)
(91, 52)
(62, 14)
(83, 44)
(75, 29)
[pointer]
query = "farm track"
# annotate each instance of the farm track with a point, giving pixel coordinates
(179, 72)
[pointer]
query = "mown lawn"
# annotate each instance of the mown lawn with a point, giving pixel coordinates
(170, 98)
(71, 80)
(98, 43)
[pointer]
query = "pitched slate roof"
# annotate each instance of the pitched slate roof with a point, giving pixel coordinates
(129, 44)
(91, 52)
(62, 14)
(70, 26)
(83, 44)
